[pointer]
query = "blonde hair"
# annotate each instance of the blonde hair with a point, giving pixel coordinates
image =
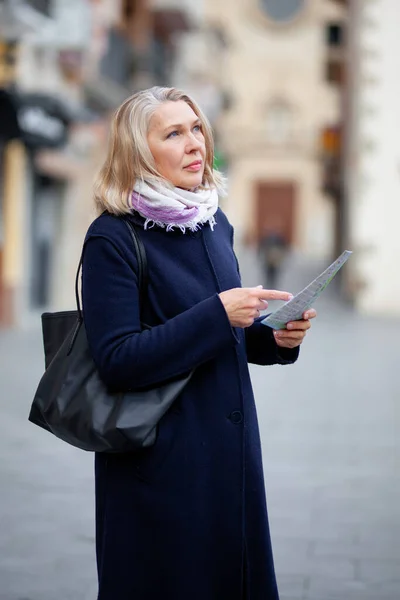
(129, 157)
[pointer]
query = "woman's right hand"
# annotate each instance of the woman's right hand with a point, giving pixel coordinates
(243, 305)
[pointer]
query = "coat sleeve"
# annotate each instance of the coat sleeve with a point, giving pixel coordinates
(262, 348)
(127, 357)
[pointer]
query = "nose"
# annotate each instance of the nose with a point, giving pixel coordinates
(193, 143)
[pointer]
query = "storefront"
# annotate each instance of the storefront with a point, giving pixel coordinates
(31, 204)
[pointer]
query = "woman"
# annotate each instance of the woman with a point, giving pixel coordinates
(185, 519)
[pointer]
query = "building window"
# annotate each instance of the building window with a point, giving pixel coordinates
(334, 35)
(335, 71)
(128, 9)
(331, 141)
(8, 62)
(117, 63)
(279, 123)
(43, 6)
(282, 10)
(40, 54)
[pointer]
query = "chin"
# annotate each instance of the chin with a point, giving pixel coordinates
(192, 182)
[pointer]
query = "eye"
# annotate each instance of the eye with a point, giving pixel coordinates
(197, 128)
(172, 134)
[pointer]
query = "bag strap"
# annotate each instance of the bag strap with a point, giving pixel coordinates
(143, 269)
(143, 272)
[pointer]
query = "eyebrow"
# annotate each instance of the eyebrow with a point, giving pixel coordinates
(179, 125)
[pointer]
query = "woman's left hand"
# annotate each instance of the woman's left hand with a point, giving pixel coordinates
(295, 331)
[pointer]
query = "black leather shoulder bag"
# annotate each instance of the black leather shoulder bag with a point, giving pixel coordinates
(71, 400)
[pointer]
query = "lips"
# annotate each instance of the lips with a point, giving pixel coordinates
(194, 166)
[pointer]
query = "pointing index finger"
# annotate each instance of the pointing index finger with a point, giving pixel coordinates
(272, 294)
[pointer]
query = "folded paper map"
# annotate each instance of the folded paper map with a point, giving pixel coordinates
(294, 309)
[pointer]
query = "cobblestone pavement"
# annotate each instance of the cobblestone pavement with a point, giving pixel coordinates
(330, 427)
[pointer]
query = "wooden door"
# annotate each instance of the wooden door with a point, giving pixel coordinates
(275, 209)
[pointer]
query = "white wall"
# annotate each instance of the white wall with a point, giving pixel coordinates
(375, 159)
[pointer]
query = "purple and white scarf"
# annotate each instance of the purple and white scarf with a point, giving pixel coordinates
(169, 208)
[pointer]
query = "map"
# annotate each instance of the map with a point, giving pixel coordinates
(294, 309)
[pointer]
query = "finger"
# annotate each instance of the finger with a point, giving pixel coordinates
(262, 305)
(290, 335)
(263, 301)
(298, 325)
(256, 304)
(310, 314)
(288, 342)
(270, 294)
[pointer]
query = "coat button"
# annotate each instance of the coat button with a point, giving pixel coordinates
(236, 417)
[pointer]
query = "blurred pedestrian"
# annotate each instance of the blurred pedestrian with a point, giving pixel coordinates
(272, 250)
(185, 519)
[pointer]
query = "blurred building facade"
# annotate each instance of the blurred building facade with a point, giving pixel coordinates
(282, 79)
(65, 65)
(373, 157)
(309, 150)
(33, 119)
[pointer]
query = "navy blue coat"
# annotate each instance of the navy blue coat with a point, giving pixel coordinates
(187, 518)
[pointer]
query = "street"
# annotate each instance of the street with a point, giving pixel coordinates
(330, 427)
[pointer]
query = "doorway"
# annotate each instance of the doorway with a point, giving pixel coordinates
(275, 207)
(46, 216)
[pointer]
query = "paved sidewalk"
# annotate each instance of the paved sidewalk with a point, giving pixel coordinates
(330, 428)
(46, 515)
(331, 437)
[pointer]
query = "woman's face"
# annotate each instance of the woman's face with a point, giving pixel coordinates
(177, 144)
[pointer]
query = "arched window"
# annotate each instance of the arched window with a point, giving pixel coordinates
(282, 10)
(279, 122)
